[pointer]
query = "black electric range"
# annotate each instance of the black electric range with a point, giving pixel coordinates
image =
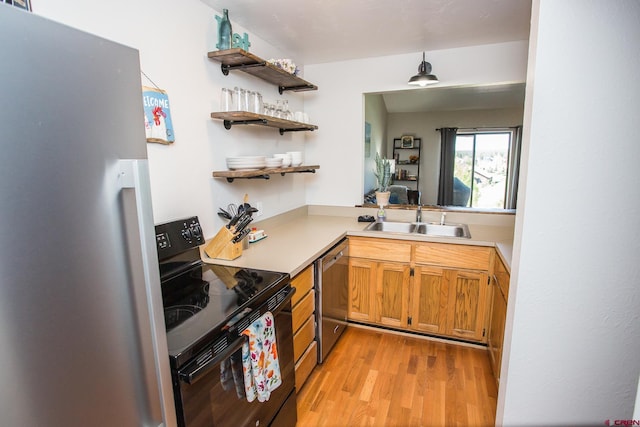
(203, 303)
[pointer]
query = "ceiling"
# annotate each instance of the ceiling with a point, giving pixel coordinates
(456, 98)
(319, 31)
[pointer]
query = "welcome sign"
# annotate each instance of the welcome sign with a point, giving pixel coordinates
(157, 116)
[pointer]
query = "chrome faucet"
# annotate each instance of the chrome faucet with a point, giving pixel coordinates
(419, 214)
(442, 217)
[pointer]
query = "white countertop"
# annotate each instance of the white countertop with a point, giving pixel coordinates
(297, 239)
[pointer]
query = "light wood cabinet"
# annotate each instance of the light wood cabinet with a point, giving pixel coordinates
(379, 272)
(429, 300)
(362, 290)
(495, 340)
(454, 256)
(435, 288)
(392, 294)
(467, 304)
(303, 320)
(449, 302)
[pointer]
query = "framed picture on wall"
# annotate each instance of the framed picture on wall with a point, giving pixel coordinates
(22, 4)
(406, 141)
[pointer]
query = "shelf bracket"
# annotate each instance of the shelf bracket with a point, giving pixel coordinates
(299, 88)
(226, 67)
(229, 123)
(282, 131)
(265, 176)
(300, 171)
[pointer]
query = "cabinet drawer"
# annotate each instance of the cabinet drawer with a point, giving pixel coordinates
(380, 249)
(456, 256)
(302, 310)
(303, 282)
(303, 337)
(502, 277)
(305, 365)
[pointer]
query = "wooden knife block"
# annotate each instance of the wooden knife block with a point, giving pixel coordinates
(221, 246)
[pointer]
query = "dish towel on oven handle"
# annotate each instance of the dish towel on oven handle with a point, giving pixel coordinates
(260, 359)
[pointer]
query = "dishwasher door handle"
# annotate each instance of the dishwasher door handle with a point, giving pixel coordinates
(332, 259)
(327, 265)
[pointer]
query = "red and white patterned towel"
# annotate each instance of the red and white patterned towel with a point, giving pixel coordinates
(260, 359)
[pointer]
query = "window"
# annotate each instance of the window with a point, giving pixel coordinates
(482, 164)
(479, 167)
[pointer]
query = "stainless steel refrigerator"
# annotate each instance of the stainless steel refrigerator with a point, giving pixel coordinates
(82, 340)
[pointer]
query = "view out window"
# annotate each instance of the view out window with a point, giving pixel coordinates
(482, 169)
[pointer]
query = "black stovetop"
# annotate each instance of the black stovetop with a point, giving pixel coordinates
(202, 301)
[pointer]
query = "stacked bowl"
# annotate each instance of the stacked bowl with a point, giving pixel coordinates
(274, 162)
(286, 159)
(296, 157)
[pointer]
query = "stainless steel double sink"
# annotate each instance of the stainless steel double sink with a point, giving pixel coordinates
(424, 228)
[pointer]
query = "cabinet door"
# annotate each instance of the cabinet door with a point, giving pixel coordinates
(467, 304)
(496, 330)
(392, 295)
(429, 294)
(362, 287)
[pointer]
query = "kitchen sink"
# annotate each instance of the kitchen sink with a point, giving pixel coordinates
(424, 228)
(445, 230)
(393, 227)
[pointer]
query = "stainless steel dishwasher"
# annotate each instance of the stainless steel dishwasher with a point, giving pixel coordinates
(332, 287)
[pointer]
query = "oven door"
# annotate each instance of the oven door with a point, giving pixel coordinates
(213, 395)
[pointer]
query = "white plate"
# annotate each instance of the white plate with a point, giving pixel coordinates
(236, 162)
(273, 163)
(246, 169)
(245, 158)
(246, 163)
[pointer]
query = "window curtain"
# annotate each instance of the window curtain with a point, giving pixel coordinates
(514, 168)
(447, 162)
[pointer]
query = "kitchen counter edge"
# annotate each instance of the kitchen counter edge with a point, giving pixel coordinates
(297, 239)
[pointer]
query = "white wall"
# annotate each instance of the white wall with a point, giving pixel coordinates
(572, 353)
(424, 125)
(337, 108)
(173, 38)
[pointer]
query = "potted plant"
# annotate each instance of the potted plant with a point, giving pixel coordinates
(383, 175)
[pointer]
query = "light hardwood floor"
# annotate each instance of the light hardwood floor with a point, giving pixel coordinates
(382, 379)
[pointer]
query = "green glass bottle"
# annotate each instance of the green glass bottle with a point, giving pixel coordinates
(224, 31)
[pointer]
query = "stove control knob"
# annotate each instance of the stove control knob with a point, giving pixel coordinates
(186, 234)
(196, 230)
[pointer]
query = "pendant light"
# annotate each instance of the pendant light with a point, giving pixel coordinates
(424, 76)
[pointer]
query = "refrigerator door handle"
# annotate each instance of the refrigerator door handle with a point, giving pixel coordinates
(134, 174)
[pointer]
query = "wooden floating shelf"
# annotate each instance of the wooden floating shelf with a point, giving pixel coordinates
(239, 59)
(263, 173)
(232, 118)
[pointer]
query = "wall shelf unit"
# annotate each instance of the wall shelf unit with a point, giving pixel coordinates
(239, 59)
(230, 175)
(232, 118)
(407, 169)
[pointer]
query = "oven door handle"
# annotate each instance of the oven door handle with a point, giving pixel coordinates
(282, 303)
(191, 374)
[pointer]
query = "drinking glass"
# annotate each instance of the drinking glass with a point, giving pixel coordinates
(286, 112)
(255, 105)
(237, 99)
(226, 100)
(279, 112)
(244, 103)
